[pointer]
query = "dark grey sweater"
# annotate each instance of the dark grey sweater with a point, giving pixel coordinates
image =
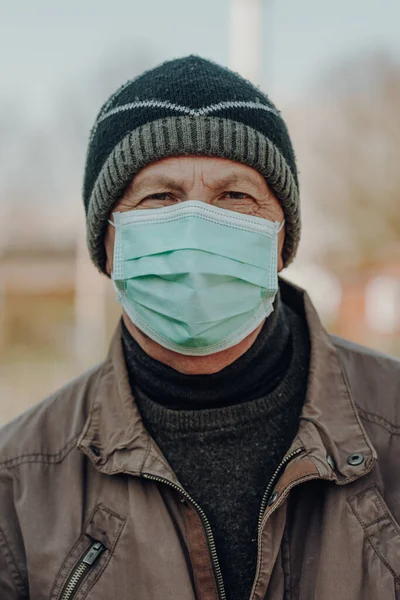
(225, 434)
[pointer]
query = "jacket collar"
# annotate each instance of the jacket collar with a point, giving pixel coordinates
(114, 436)
(115, 439)
(329, 424)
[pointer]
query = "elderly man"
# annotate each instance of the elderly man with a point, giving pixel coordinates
(228, 447)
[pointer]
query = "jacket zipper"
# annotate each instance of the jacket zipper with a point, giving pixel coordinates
(81, 569)
(208, 530)
(264, 503)
(207, 526)
(271, 483)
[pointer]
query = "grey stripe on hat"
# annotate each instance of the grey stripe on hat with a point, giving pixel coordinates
(185, 135)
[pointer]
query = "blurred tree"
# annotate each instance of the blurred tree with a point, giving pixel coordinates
(41, 163)
(81, 102)
(354, 143)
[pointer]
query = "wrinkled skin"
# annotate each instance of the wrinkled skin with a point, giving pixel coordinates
(223, 183)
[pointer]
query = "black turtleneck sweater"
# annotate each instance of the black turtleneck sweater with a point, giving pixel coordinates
(224, 434)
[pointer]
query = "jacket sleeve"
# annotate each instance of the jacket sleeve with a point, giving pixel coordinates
(13, 576)
(11, 585)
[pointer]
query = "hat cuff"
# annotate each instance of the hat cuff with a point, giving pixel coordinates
(202, 136)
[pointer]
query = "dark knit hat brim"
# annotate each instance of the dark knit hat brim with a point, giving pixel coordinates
(190, 135)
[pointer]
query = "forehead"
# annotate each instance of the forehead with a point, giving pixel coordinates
(188, 169)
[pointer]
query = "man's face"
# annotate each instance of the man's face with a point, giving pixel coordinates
(217, 181)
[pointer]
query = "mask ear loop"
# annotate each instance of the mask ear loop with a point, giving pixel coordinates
(281, 226)
(116, 241)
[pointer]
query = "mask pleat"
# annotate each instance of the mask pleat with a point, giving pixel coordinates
(193, 233)
(182, 262)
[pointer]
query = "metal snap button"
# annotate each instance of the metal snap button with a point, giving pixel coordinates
(355, 459)
(331, 462)
(95, 450)
(273, 498)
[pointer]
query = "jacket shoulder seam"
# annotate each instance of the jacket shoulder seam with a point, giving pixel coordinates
(378, 420)
(347, 346)
(39, 456)
(9, 558)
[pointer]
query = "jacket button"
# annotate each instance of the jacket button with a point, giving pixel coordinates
(273, 498)
(355, 459)
(331, 462)
(94, 449)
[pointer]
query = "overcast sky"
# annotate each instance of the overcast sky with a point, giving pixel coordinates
(48, 47)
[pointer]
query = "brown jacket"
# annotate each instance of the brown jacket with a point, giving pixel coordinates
(89, 507)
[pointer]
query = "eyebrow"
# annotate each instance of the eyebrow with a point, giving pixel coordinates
(157, 181)
(172, 183)
(234, 179)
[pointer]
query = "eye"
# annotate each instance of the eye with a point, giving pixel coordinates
(158, 196)
(237, 195)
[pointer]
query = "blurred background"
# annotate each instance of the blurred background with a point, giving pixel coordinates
(333, 68)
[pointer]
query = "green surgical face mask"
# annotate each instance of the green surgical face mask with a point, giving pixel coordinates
(195, 278)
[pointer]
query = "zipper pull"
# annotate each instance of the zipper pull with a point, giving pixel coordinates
(94, 552)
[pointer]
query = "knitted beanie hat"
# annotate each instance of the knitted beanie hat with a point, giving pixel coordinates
(187, 106)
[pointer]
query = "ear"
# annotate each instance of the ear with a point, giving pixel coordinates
(108, 267)
(109, 240)
(281, 241)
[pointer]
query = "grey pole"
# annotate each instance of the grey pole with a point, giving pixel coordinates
(246, 26)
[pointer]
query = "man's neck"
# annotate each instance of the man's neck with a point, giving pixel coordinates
(255, 372)
(190, 365)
